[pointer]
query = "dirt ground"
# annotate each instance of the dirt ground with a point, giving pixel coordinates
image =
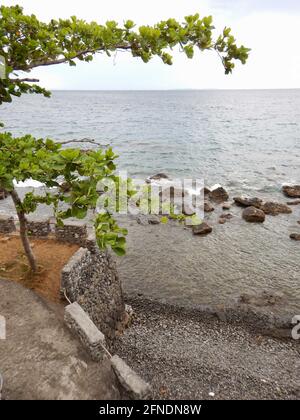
(51, 257)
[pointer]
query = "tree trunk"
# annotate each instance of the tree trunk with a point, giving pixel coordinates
(23, 230)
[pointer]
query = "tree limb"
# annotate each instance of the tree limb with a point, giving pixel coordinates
(84, 140)
(25, 79)
(65, 59)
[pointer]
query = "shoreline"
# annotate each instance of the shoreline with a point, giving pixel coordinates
(184, 356)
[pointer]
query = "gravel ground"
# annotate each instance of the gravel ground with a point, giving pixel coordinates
(186, 357)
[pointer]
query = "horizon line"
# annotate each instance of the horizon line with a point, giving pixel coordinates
(169, 90)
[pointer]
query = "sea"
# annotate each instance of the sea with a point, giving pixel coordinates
(245, 140)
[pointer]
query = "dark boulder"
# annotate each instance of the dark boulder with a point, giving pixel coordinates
(295, 236)
(159, 176)
(203, 229)
(293, 203)
(274, 209)
(248, 202)
(208, 207)
(226, 216)
(292, 191)
(219, 195)
(253, 215)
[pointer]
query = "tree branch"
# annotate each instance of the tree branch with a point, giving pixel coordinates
(84, 140)
(26, 79)
(65, 60)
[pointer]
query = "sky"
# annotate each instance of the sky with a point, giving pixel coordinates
(269, 27)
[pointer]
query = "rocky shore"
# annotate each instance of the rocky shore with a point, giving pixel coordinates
(255, 209)
(186, 356)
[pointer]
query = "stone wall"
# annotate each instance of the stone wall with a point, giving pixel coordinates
(39, 228)
(72, 232)
(91, 279)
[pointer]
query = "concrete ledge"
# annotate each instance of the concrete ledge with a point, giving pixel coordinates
(136, 387)
(81, 325)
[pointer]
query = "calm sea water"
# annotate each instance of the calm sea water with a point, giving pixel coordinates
(246, 140)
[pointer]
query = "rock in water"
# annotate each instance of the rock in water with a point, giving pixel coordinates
(274, 209)
(295, 236)
(292, 191)
(248, 202)
(171, 193)
(3, 194)
(293, 203)
(254, 215)
(208, 208)
(157, 177)
(226, 206)
(206, 191)
(203, 229)
(153, 219)
(219, 195)
(188, 210)
(226, 216)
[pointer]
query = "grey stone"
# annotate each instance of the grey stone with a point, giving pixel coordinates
(81, 325)
(136, 387)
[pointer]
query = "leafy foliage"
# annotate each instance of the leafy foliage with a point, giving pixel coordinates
(27, 43)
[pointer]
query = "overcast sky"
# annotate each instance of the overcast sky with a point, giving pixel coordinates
(271, 28)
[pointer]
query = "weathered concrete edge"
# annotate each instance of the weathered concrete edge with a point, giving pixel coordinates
(136, 387)
(81, 325)
(78, 321)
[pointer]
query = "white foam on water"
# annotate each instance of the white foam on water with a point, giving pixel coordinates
(28, 183)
